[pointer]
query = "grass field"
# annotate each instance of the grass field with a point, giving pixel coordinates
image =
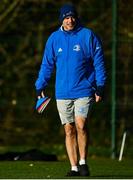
(101, 168)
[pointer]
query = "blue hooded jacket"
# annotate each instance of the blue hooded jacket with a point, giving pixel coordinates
(79, 61)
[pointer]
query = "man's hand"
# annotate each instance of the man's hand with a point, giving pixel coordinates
(98, 98)
(41, 95)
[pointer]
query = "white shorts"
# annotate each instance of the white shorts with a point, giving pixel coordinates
(70, 108)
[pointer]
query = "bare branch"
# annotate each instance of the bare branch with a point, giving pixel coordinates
(9, 9)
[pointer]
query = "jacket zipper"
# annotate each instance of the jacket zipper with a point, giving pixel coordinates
(67, 70)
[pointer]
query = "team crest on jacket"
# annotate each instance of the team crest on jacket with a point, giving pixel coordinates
(76, 47)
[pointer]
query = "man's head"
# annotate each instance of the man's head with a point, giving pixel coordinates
(68, 17)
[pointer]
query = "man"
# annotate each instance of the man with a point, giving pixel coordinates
(77, 54)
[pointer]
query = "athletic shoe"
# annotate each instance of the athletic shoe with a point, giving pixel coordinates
(72, 173)
(84, 170)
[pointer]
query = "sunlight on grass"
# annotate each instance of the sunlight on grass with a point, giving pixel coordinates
(99, 167)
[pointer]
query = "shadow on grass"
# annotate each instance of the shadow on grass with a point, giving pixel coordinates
(30, 155)
(111, 177)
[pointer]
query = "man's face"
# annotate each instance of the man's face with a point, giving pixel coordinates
(69, 23)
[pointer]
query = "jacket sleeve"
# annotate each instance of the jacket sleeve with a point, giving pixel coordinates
(46, 68)
(97, 55)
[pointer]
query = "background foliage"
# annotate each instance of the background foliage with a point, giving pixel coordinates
(25, 27)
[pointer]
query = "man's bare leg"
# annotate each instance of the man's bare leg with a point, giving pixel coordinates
(71, 143)
(82, 137)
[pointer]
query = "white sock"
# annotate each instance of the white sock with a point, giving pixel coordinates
(74, 168)
(82, 161)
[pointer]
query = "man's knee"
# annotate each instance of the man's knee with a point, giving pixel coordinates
(81, 124)
(70, 130)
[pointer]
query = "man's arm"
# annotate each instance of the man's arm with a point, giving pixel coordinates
(46, 69)
(99, 65)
